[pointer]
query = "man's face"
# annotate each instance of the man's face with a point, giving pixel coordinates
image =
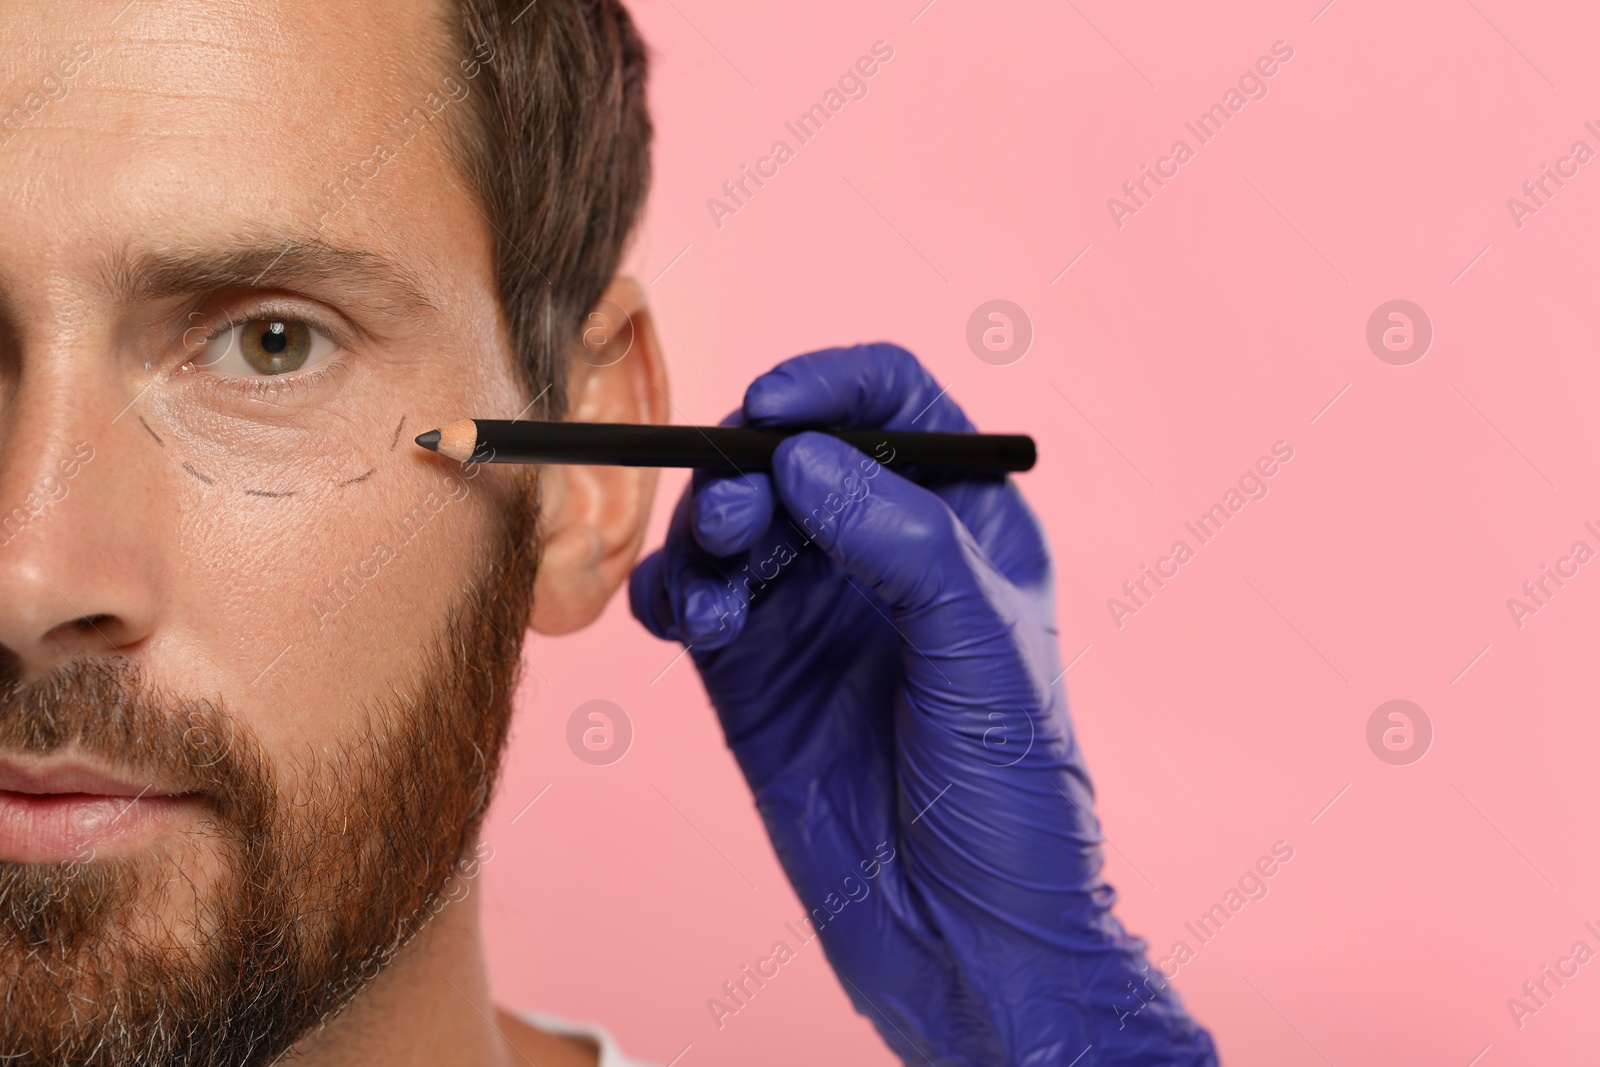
(239, 273)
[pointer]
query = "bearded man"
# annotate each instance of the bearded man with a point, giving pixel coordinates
(257, 650)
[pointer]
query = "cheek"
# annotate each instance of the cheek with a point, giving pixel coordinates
(307, 606)
(315, 551)
(315, 604)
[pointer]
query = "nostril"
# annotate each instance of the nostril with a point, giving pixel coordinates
(102, 626)
(99, 628)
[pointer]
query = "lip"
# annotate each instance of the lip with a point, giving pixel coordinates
(61, 810)
(69, 777)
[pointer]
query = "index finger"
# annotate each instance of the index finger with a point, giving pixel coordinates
(874, 386)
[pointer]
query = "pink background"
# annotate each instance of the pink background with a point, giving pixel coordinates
(1227, 314)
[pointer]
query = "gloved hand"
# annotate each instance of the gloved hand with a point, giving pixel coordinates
(883, 659)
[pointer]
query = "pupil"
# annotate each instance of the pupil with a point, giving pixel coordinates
(276, 338)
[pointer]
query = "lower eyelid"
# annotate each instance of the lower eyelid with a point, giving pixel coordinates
(228, 388)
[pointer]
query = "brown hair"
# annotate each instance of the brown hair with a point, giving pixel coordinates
(557, 146)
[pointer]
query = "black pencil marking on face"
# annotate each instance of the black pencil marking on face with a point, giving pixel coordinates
(397, 430)
(358, 478)
(203, 477)
(269, 495)
(151, 432)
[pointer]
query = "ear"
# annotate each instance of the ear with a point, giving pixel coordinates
(593, 518)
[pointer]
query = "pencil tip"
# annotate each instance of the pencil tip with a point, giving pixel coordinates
(429, 440)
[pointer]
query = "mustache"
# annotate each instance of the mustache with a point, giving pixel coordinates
(109, 710)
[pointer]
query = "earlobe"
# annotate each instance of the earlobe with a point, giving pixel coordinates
(593, 518)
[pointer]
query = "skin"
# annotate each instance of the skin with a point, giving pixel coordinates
(200, 538)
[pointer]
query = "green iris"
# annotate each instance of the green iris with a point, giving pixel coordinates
(274, 346)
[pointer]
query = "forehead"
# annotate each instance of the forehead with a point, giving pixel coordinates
(185, 120)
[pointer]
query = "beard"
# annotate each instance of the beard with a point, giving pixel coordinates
(314, 893)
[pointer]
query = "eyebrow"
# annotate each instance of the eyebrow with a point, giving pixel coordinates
(364, 280)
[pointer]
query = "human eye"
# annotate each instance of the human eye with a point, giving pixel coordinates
(268, 346)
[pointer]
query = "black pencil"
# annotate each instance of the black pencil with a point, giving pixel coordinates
(728, 449)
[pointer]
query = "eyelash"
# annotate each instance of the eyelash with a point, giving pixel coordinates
(269, 388)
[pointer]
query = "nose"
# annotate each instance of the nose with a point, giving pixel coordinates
(76, 562)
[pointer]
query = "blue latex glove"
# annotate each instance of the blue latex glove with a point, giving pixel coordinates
(883, 659)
